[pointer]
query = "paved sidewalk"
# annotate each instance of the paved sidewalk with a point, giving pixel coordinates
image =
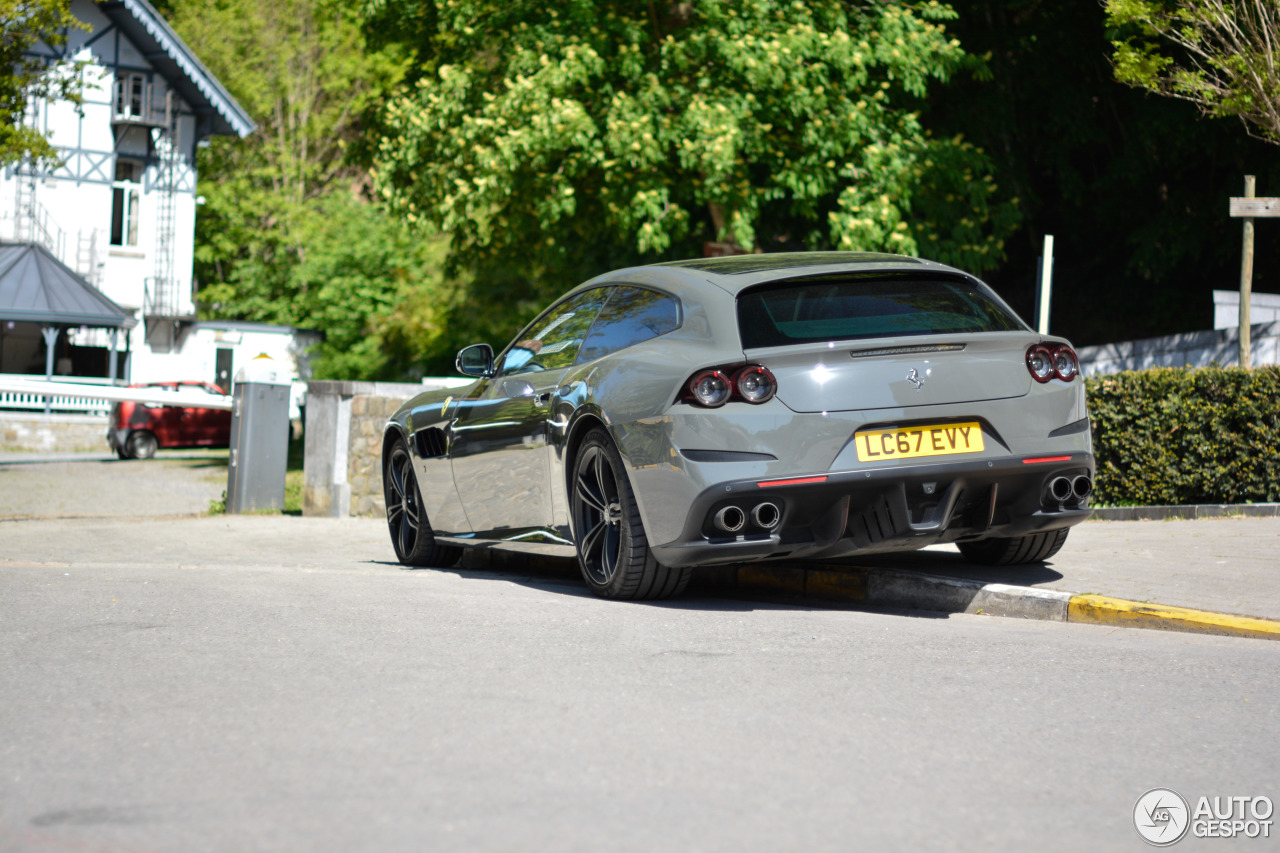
(176, 482)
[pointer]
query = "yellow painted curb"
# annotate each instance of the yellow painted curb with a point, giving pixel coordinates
(773, 580)
(1102, 610)
(841, 583)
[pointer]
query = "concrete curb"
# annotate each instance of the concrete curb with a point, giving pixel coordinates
(902, 589)
(1159, 513)
(908, 590)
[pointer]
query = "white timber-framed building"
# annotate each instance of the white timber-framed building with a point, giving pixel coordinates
(119, 212)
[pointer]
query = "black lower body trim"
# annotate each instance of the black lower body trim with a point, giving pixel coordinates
(880, 510)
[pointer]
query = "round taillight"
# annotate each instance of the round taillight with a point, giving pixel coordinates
(755, 384)
(1040, 363)
(710, 388)
(1065, 363)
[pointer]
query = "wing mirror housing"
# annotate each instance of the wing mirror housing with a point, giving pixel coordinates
(475, 360)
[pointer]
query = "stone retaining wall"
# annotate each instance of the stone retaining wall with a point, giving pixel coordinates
(342, 473)
(31, 432)
(364, 468)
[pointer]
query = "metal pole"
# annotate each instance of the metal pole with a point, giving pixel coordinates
(115, 352)
(1246, 276)
(1046, 284)
(50, 341)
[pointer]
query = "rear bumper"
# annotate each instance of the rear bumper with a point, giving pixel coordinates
(882, 509)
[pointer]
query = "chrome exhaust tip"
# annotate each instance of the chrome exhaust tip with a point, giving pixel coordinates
(766, 515)
(1059, 489)
(730, 519)
(1081, 487)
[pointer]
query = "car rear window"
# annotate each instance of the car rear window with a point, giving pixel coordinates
(847, 308)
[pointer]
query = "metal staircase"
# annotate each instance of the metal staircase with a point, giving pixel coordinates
(163, 289)
(25, 213)
(163, 304)
(87, 263)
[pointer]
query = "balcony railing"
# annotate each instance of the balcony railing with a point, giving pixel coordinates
(35, 403)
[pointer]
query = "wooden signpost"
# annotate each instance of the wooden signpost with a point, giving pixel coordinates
(1249, 208)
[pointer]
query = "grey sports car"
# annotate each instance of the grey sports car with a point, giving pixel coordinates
(815, 405)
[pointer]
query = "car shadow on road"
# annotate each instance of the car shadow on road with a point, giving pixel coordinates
(952, 565)
(707, 592)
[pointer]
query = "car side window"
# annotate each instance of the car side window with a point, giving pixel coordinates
(552, 341)
(632, 315)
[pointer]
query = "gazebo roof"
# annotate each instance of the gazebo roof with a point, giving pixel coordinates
(36, 287)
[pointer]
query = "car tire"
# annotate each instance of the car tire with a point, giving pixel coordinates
(1033, 548)
(411, 535)
(141, 444)
(613, 551)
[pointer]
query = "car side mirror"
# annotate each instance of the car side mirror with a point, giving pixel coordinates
(475, 360)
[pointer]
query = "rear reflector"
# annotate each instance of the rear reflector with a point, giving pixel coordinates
(796, 482)
(1036, 459)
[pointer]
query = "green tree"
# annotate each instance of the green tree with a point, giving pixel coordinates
(555, 141)
(287, 233)
(1220, 56)
(28, 73)
(1133, 187)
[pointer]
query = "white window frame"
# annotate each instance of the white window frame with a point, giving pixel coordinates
(132, 100)
(126, 205)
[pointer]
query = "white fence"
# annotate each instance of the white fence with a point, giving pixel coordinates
(82, 396)
(17, 397)
(1195, 349)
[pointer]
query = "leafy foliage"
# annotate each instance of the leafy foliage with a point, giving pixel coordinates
(31, 31)
(286, 234)
(1220, 56)
(601, 134)
(339, 265)
(1133, 187)
(1185, 436)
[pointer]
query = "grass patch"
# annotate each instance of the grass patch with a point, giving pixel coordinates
(293, 492)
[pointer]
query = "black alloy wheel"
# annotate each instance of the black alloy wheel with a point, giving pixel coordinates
(613, 552)
(411, 535)
(598, 515)
(141, 444)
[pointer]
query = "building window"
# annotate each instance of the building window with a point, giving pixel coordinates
(131, 97)
(126, 193)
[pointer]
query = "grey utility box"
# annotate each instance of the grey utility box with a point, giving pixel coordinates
(259, 437)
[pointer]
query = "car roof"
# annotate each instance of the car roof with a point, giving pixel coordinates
(735, 273)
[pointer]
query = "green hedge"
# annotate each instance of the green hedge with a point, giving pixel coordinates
(1186, 436)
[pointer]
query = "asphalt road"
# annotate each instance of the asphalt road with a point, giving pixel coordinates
(278, 684)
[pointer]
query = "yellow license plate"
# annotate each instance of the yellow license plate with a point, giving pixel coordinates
(875, 445)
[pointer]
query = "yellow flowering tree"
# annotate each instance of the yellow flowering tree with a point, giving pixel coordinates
(553, 141)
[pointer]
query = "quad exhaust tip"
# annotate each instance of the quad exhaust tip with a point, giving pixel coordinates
(1060, 488)
(766, 515)
(1081, 487)
(730, 519)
